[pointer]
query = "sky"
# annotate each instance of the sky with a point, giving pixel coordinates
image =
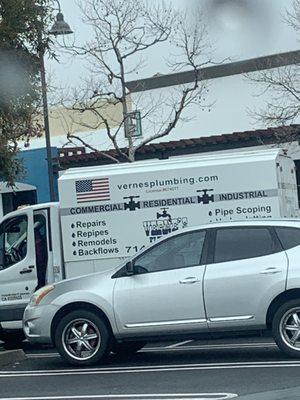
(237, 29)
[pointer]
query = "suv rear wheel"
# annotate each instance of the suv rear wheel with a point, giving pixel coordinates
(286, 328)
(82, 338)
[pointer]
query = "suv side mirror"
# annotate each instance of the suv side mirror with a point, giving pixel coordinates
(129, 268)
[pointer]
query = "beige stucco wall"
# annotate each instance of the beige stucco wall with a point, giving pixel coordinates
(63, 121)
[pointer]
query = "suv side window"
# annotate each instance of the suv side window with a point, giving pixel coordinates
(177, 252)
(242, 243)
(13, 241)
(289, 237)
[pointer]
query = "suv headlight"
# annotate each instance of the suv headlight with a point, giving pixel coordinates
(38, 296)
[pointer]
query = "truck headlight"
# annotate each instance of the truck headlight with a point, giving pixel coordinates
(38, 296)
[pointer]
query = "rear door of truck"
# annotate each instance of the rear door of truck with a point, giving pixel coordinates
(287, 187)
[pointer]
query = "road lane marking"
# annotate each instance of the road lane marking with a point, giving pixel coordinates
(165, 396)
(178, 344)
(42, 355)
(135, 367)
(184, 348)
(150, 369)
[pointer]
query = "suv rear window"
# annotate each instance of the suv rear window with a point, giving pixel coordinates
(242, 243)
(289, 237)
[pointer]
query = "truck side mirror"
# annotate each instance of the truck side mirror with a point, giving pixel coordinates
(129, 268)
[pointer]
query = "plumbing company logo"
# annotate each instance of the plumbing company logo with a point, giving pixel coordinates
(205, 198)
(134, 203)
(163, 225)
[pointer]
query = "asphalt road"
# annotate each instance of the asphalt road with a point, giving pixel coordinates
(219, 369)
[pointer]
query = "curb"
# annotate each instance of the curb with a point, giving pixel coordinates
(11, 356)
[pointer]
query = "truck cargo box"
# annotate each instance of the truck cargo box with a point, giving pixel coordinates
(110, 212)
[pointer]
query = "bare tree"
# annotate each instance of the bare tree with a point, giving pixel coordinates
(122, 31)
(281, 84)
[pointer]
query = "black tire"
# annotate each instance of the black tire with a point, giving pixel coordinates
(127, 348)
(13, 340)
(96, 327)
(283, 336)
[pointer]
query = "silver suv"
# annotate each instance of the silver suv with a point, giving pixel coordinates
(223, 277)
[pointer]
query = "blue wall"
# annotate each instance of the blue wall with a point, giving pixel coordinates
(36, 172)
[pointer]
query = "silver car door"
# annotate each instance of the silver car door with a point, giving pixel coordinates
(249, 269)
(165, 293)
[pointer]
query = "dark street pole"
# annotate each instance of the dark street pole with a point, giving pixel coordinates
(60, 27)
(46, 122)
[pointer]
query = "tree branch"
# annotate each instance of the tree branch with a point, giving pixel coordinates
(88, 146)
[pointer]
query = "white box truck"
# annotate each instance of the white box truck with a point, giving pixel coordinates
(107, 213)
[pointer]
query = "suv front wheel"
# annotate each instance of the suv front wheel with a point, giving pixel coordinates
(286, 328)
(82, 338)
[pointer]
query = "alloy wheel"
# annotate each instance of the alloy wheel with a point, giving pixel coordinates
(81, 339)
(290, 328)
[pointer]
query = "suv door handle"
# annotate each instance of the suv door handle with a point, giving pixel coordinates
(189, 280)
(26, 271)
(271, 271)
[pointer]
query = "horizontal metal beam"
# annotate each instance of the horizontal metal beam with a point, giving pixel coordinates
(216, 71)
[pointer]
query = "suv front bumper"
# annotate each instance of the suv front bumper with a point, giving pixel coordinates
(37, 322)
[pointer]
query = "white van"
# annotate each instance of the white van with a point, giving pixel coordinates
(107, 213)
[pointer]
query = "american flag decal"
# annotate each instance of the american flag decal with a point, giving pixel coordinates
(92, 190)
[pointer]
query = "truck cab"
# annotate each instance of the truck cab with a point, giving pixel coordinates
(30, 257)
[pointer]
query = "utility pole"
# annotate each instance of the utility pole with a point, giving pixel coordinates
(60, 27)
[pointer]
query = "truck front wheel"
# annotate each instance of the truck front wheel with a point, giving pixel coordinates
(82, 338)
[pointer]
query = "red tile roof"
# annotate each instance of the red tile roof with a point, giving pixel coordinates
(75, 156)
